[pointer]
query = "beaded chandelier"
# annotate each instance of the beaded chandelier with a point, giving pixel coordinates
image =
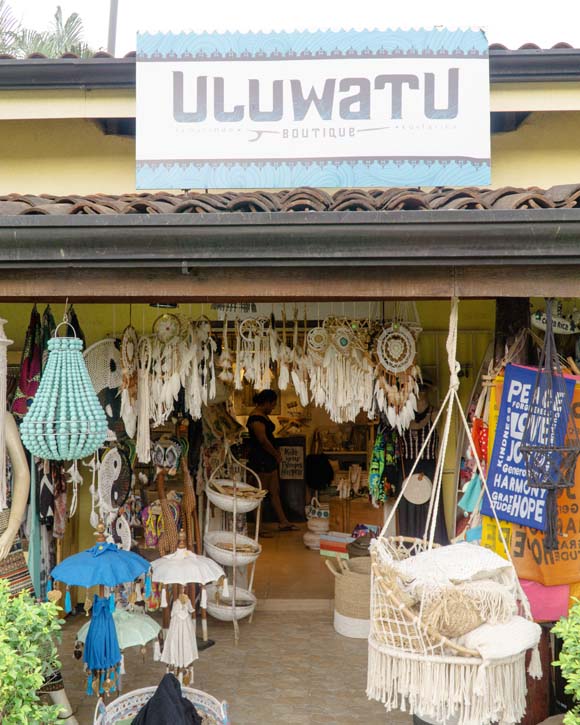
(65, 421)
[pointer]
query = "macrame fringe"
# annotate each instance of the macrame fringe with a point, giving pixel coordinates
(535, 666)
(444, 688)
(156, 651)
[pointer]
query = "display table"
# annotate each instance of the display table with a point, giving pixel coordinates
(345, 514)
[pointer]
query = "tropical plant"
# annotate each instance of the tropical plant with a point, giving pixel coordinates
(27, 656)
(568, 629)
(64, 36)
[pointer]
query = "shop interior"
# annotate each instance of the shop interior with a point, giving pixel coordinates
(287, 569)
(174, 437)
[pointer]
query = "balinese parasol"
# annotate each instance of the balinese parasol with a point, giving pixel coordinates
(184, 567)
(104, 565)
(134, 629)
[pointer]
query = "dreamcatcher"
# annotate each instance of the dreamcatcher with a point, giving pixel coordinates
(255, 352)
(166, 366)
(284, 357)
(208, 349)
(397, 375)
(317, 344)
(225, 361)
(198, 375)
(129, 370)
(299, 373)
(143, 401)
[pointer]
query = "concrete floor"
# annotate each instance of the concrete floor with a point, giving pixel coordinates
(289, 666)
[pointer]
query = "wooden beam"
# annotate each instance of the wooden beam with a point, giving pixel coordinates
(288, 284)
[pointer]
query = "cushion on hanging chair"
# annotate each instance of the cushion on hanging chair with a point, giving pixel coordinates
(497, 641)
(455, 563)
(453, 611)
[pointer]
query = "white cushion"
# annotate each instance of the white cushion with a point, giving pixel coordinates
(455, 563)
(497, 641)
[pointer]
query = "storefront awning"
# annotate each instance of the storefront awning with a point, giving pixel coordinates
(442, 235)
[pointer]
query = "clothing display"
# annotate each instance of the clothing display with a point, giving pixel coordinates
(168, 706)
(180, 648)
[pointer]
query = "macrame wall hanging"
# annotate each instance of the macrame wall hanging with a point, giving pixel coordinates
(65, 421)
(299, 373)
(4, 342)
(226, 362)
(550, 443)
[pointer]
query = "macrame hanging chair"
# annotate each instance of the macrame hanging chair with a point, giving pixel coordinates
(550, 443)
(65, 421)
(417, 665)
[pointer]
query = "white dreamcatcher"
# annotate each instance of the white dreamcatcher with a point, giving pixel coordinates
(198, 375)
(299, 375)
(254, 353)
(111, 483)
(129, 357)
(143, 443)
(398, 375)
(226, 362)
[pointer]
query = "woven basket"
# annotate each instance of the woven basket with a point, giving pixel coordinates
(223, 609)
(225, 557)
(352, 595)
(226, 502)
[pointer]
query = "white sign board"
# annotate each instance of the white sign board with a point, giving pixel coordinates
(321, 109)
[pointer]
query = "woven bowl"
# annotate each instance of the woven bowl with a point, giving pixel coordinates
(225, 557)
(226, 503)
(223, 610)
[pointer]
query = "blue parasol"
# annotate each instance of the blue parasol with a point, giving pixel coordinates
(103, 563)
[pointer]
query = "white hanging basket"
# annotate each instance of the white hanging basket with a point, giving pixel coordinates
(226, 502)
(219, 545)
(223, 609)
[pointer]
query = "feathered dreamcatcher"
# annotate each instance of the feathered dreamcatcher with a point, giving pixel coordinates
(198, 375)
(397, 374)
(129, 370)
(254, 353)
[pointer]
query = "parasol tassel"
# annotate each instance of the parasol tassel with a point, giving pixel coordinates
(148, 586)
(67, 602)
(163, 598)
(112, 603)
(156, 651)
(48, 587)
(226, 589)
(90, 684)
(138, 592)
(122, 666)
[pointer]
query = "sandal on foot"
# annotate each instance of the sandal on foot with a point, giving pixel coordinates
(289, 527)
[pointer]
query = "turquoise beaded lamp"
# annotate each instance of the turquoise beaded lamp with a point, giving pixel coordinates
(65, 421)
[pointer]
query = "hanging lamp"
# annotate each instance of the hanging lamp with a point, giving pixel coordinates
(65, 421)
(550, 443)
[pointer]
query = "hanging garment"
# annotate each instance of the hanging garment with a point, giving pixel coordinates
(47, 331)
(30, 367)
(168, 706)
(102, 654)
(412, 518)
(180, 649)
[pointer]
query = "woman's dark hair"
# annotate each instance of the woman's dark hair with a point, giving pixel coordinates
(265, 396)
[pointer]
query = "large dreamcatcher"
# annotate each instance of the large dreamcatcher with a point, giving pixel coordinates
(198, 375)
(397, 374)
(129, 358)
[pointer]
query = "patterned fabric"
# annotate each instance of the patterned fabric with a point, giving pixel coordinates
(30, 367)
(13, 567)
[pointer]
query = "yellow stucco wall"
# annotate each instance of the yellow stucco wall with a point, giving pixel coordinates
(66, 156)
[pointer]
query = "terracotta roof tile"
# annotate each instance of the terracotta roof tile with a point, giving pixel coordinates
(293, 200)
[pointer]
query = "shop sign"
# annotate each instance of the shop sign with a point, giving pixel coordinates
(513, 498)
(328, 109)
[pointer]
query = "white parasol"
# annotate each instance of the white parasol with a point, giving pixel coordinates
(185, 567)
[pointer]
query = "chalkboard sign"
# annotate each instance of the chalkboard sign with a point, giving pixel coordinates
(292, 480)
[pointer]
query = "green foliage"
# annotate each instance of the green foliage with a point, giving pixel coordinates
(65, 36)
(569, 662)
(27, 655)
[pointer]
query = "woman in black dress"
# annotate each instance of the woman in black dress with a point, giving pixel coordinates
(264, 458)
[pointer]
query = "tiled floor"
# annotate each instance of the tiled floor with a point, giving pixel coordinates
(293, 669)
(286, 569)
(290, 667)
